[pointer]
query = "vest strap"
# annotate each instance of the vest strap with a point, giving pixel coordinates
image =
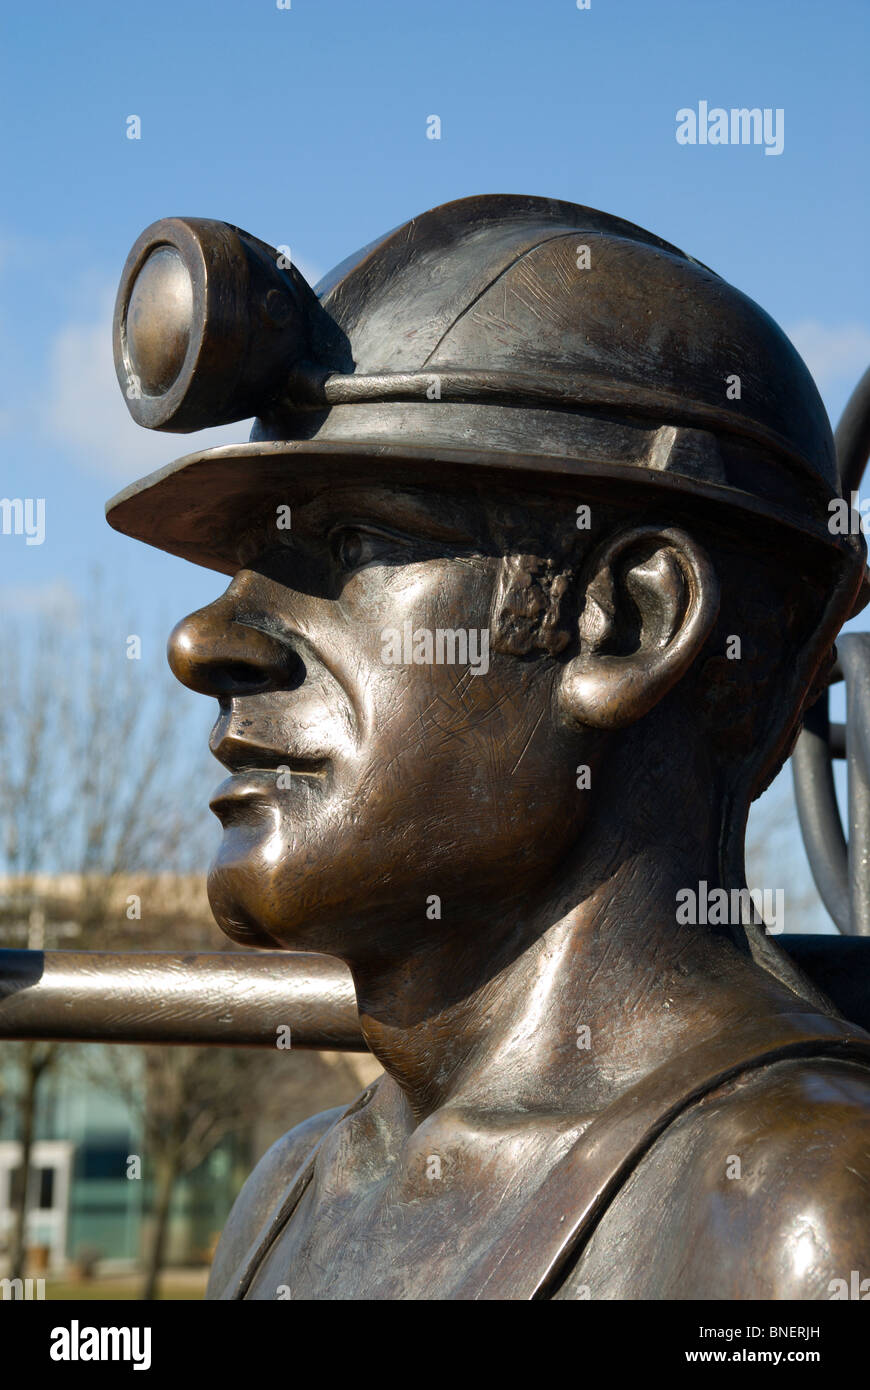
(530, 1260)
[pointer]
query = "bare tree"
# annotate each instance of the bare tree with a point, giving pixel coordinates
(184, 1101)
(95, 760)
(34, 1060)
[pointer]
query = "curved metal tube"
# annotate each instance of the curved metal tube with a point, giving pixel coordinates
(855, 660)
(819, 815)
(818, 812)
(852, 436)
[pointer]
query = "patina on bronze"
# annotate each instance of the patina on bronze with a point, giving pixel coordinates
(540, 427)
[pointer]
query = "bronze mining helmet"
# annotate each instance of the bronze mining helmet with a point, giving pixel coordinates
(541, 341)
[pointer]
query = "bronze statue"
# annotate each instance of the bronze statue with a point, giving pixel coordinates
(532, 582)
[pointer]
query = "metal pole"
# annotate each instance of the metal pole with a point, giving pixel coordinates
(235, 999)
(227, 998)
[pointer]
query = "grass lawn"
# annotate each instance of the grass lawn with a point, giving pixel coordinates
(126, 1288)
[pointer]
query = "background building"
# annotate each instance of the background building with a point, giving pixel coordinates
(95, 1156)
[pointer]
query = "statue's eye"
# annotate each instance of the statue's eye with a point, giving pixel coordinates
(356, 546)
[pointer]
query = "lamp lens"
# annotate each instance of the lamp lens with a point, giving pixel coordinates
(159, 320)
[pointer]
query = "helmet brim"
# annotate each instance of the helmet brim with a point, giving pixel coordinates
(200, 506)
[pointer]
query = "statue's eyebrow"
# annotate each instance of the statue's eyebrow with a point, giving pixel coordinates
(427, 514)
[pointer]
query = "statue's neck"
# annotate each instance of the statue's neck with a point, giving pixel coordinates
(534, 1006)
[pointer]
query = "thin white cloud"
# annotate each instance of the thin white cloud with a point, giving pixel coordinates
(55, 597)
(835, 355)
(86, 413)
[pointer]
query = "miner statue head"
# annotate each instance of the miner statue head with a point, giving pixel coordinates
(532, 579)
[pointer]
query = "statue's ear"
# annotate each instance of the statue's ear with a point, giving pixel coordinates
(649, 601)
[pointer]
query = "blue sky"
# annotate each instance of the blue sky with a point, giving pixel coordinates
(307, 127)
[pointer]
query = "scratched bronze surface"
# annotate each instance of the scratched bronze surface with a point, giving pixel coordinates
(531, 583)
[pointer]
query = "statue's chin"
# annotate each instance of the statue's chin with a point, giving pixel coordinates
(234, 893)
(232, 918)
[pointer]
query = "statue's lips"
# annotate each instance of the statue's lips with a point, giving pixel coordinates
(244, 749)
(250, 783)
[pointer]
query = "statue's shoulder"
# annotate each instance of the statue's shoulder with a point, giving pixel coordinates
(261, 1193)
(760, 1190)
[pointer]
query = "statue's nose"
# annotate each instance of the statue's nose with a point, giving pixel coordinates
(213, 652)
